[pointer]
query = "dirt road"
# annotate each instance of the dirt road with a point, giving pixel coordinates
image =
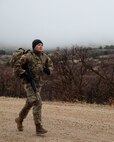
(65, 122)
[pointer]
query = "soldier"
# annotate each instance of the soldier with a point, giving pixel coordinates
(38, 63)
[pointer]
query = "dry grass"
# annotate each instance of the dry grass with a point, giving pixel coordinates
(65, 122)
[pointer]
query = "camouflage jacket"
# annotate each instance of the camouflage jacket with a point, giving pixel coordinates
(35, 63)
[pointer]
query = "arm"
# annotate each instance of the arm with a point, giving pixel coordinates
(24, 72)
(49, 64)
(18, 68)
(48, 68)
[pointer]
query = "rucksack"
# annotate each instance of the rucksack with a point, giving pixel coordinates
(16, 56)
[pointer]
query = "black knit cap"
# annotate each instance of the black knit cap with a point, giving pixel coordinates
(35, 42)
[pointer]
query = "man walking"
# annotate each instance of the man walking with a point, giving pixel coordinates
(38, 63)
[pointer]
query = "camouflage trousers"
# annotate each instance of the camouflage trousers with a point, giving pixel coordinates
(33, 101)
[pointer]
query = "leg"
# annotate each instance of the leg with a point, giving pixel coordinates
(37, 109)
(29, 103)
(23, 113)
(37, 115)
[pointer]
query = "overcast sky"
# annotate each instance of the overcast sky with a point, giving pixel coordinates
(56, 22)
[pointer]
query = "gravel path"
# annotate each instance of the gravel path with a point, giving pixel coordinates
(65, 122)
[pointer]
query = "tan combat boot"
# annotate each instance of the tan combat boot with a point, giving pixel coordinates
(19, 121)
(40, 129)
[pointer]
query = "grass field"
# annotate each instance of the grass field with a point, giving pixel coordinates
(65, 122)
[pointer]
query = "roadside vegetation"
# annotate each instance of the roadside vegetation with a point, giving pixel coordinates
(81, 74)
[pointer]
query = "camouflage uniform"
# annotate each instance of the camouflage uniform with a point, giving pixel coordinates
(36, 62)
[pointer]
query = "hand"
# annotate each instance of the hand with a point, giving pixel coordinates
(46, 71)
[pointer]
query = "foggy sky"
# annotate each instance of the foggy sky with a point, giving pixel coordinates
(56, 22)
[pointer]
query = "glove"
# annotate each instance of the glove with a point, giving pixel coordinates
(46, 71)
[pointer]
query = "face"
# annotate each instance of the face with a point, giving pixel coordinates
(39, 47)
